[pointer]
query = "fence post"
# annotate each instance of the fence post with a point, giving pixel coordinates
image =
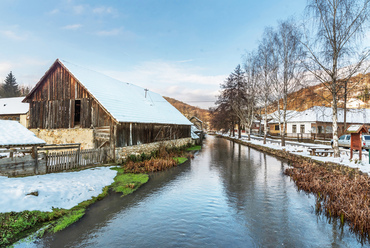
(78, 154)
(34, 155)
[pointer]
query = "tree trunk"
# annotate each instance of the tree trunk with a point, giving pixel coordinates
(239, 130)
(265, 126)
(335, 127)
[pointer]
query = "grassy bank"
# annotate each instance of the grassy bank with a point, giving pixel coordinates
(341, 192)
(17, 225)
(130, 176)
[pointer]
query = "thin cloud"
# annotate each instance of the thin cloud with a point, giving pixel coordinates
(72, 27)
(12, 35)
(5, 68)
(112, 32)
(54, 11)
(103, 10)
(78, 9)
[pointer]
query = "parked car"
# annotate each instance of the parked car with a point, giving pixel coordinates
(345, 141)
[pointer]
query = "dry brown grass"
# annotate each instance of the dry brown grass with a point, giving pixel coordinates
(340, 192)
(151, 165)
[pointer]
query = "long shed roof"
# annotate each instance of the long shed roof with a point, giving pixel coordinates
(12, 133)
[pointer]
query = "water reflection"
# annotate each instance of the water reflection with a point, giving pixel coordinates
(228, 196)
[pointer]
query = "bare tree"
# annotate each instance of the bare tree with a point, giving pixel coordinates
(265, 66)
(251, 91)
(288, 73)
(338, 27)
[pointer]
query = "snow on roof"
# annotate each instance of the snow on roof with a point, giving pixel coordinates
(13, 105)
(12, 133)
(325, 114)
(127, 102)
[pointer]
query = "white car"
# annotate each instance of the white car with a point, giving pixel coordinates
(345, 141)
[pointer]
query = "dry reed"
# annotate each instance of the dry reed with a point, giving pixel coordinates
(340, 192)
(151, 165)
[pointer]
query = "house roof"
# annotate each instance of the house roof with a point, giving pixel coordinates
(13, 105)
(12, 133)
(324, 114)
(125, 102)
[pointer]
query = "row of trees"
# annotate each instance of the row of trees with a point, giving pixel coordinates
(324, 49)
(10, 87)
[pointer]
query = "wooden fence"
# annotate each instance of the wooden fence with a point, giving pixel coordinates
(65, 160)
(15, 161)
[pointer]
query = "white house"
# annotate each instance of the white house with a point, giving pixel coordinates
(318, 121)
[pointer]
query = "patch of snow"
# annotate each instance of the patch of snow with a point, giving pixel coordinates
(302, 150)
(58, 190)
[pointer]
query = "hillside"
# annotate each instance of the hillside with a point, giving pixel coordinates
(190, 111)
(319, 95)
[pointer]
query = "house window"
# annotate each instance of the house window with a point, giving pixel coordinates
(294, 128)
(77, 117)
(277, 128)
(302, 128)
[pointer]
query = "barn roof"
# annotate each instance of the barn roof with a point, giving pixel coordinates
(12, 133)
(12, 106)
(124, 101)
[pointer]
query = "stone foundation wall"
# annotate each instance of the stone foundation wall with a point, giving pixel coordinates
(123, 152)
(85, 136)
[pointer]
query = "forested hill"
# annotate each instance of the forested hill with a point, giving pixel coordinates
(189, 110)
(319, 95)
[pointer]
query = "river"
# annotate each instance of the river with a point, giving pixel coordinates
(229, 195)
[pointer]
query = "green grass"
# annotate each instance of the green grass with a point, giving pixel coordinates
(126, 183)
(68, 219)
(194, 148)
(180, 160)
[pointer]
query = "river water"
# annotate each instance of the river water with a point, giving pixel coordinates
(229, 195)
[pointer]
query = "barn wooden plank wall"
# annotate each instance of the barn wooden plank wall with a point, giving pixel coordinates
(53, 104)
(141, 133)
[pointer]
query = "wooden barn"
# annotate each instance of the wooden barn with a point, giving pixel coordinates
(73, 104)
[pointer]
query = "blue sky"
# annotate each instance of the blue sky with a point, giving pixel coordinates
(179, 48)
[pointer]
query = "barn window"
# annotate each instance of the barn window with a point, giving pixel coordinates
(77, 118)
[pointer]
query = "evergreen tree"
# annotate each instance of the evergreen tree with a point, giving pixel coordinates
(10, 86)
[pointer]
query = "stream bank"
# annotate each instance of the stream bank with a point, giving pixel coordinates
(340, 191)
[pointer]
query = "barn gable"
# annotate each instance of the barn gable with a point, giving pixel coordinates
(59, 100)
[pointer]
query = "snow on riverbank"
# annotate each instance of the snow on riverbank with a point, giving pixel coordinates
(302, 150)
(58, 190)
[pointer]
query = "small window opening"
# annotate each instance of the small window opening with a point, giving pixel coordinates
(77, 118)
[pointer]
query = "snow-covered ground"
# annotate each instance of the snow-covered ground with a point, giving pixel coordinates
(302, 149)
(58, 190)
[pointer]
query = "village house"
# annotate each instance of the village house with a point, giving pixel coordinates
(316, 122)
(14, 109)
(71, 104)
